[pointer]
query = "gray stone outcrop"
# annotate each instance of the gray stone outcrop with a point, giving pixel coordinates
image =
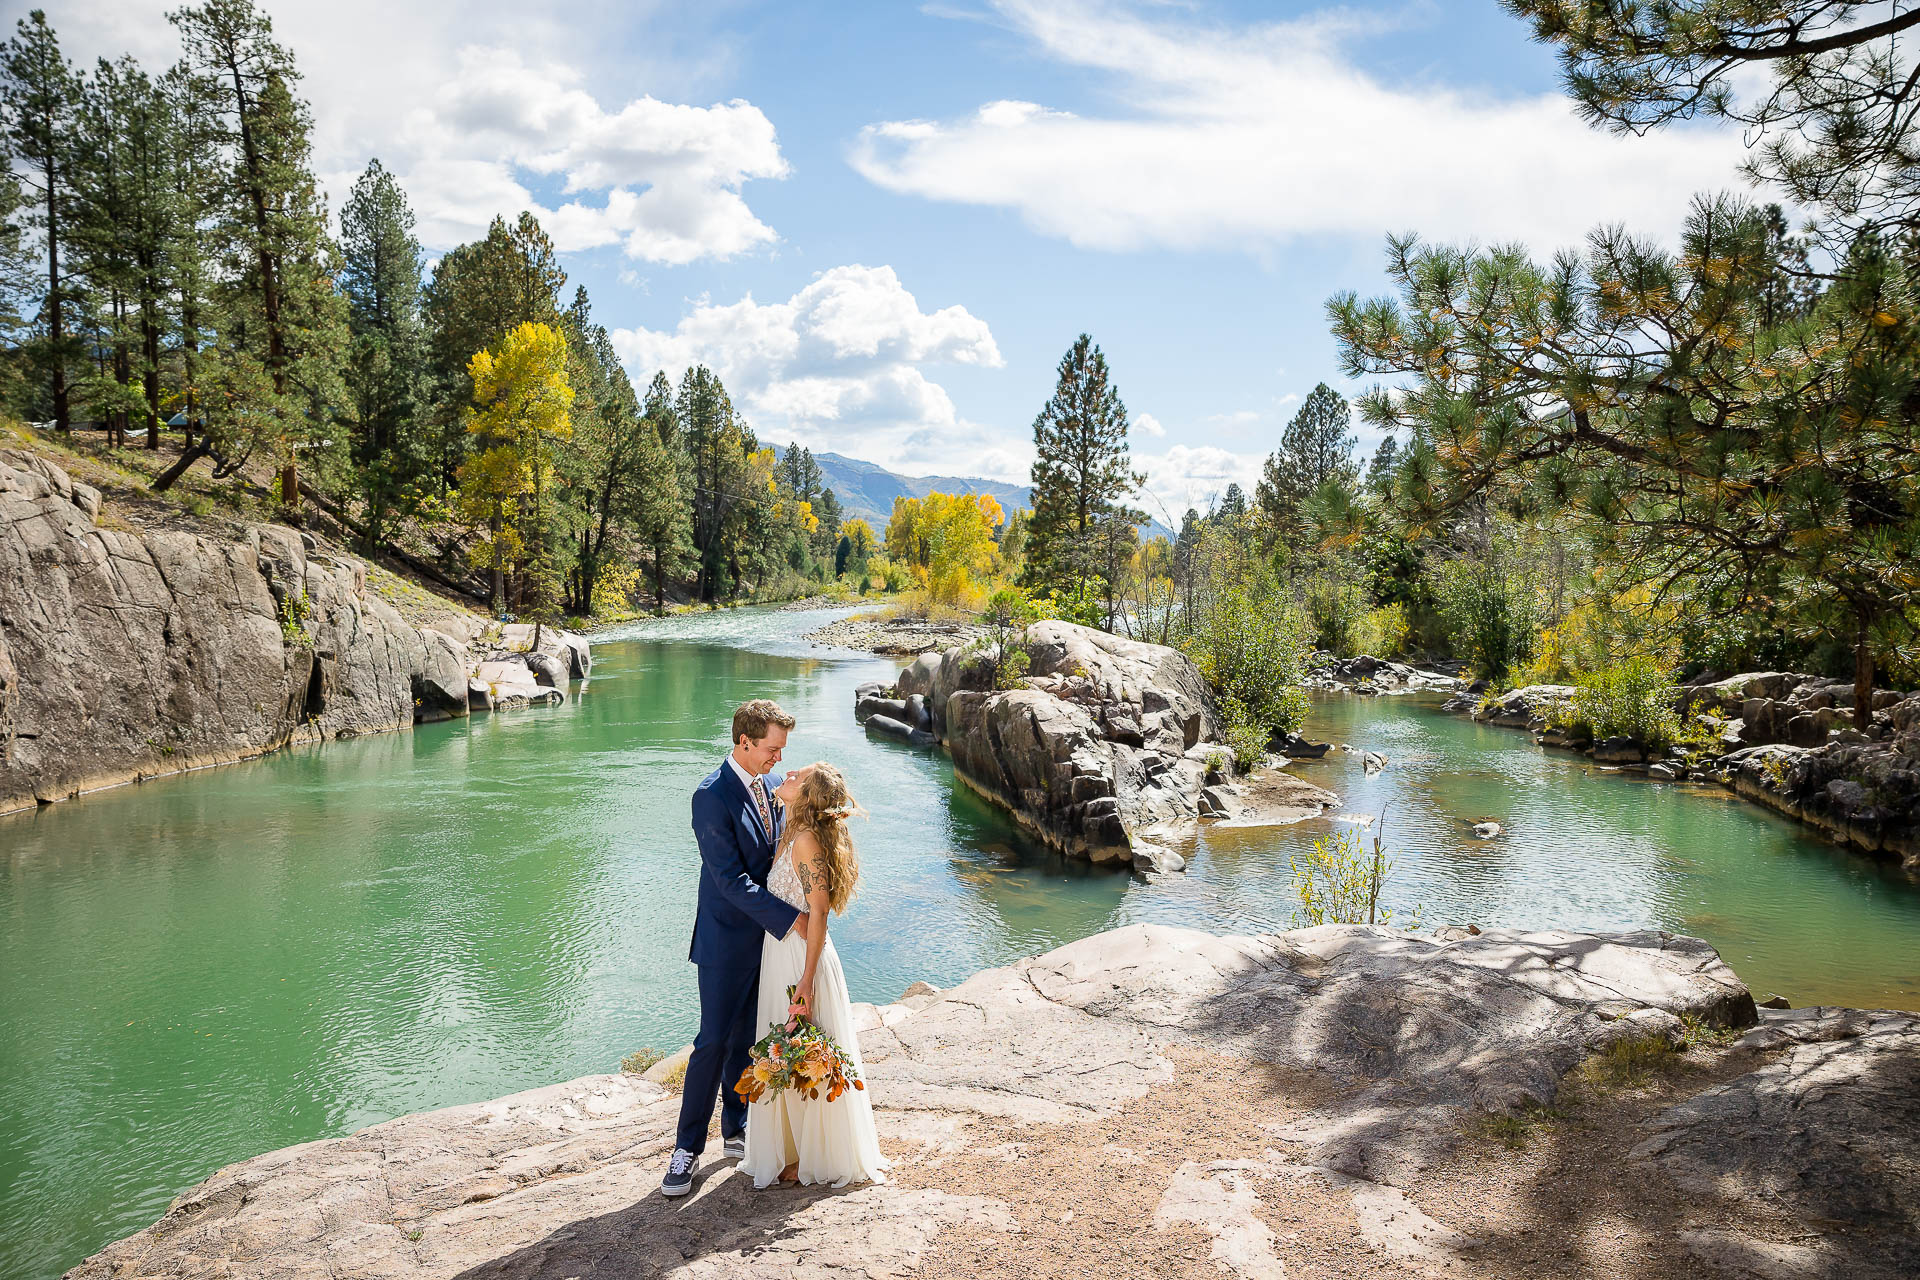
(1409, 1036)
(1103, 743)
(128, 654)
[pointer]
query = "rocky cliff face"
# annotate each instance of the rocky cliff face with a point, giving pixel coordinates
(1314, 1102)
(126, 654)
(1105, 749)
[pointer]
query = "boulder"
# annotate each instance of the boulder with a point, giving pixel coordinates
(918, 677)
(874, 705)
(440, 687)
(1300, 749)
(1825, 1133)
(1486, 830)
(1156, 859)
(880, 726)
(1372, 762)
(1619, 750)
(1663, 771)
(549, 669)
(1518, 708)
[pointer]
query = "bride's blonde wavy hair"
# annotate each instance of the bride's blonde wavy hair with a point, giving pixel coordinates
(823, 807)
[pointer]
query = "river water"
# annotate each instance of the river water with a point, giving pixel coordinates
(201, 968)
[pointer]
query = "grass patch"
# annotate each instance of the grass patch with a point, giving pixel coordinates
(1626, 1064)
(1515, 1129)
(1702, 1035)
(637, 1062)
(675, 1079)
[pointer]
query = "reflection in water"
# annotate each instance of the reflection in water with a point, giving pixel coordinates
(202, 968)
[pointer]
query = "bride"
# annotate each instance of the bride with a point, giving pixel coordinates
(791, 1138)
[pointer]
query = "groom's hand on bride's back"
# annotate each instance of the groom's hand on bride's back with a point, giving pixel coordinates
(799, 926)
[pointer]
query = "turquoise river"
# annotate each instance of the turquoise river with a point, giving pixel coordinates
(202, 968)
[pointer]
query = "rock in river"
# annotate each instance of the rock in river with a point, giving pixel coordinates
(1105, 741)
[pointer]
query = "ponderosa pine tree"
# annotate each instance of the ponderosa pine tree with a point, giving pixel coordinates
(191, 264)
(120, 232)
(1383, 466)
(1738, 458)
(717, 452)
(282, 330)
(1315, 447)
(660, 510)
(40, 96)
(477, 293)
(1835, 128)
(386, 363)
(1082, 474)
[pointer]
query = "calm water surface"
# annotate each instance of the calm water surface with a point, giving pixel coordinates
(202, 968)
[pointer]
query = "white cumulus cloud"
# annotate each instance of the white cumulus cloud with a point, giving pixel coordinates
(839, 366)
(661, 180)
(1248, 138)
(473, 105)
(1193, 476)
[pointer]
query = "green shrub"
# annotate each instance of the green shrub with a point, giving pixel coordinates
(1082, 603)
(1335, 607)
(1488, 612)
(294, 612)
(1383, 632)
(1632, 698)
(1006, 616)
(1339, 881)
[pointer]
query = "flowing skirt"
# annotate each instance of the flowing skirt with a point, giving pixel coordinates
(833, 1142)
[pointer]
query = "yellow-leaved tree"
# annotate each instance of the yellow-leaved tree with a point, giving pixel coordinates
(522, 401)
(946, 540)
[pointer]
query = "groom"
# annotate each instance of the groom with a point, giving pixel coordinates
(737, 825)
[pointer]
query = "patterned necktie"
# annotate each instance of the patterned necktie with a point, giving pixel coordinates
(759, 789)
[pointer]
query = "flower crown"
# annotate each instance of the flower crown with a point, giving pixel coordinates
(839, 811)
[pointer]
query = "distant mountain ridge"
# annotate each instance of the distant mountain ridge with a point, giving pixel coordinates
(867, 489)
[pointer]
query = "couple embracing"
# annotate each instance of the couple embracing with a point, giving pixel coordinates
(775, 858)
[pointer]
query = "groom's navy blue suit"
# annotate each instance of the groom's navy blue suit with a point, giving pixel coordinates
(735, 910)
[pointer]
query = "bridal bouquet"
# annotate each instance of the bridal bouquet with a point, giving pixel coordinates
(798, 1055)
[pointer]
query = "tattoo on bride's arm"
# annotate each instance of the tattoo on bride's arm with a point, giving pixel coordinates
(805, 868)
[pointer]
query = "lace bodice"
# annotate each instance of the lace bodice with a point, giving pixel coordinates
(783, 882)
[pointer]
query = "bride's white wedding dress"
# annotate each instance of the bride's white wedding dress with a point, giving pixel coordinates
(833, 1142)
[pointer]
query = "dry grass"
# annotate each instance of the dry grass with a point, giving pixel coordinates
(637, 1062)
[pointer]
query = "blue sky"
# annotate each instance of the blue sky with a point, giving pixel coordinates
(884, 223)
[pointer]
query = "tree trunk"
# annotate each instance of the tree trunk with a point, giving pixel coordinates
(188, 456)
(150, 375)
(1862, 682)
(56, 333)
(659, 590)
(290, 485)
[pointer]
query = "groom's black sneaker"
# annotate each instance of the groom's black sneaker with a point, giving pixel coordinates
(679, 1179)
(734, 1148)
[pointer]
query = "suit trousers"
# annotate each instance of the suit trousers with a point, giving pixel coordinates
(729, 999)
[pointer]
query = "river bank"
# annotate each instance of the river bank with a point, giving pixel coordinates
(133, 650)
(1263, 1106)
(1785, 741)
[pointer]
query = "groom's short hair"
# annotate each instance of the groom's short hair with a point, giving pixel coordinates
(755, 718)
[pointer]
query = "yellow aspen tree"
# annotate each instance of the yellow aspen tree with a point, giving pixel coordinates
(522, 401)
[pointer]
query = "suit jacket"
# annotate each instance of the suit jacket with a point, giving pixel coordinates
(736, 853)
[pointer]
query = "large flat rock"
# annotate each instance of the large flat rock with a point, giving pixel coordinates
(1407, 1034)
